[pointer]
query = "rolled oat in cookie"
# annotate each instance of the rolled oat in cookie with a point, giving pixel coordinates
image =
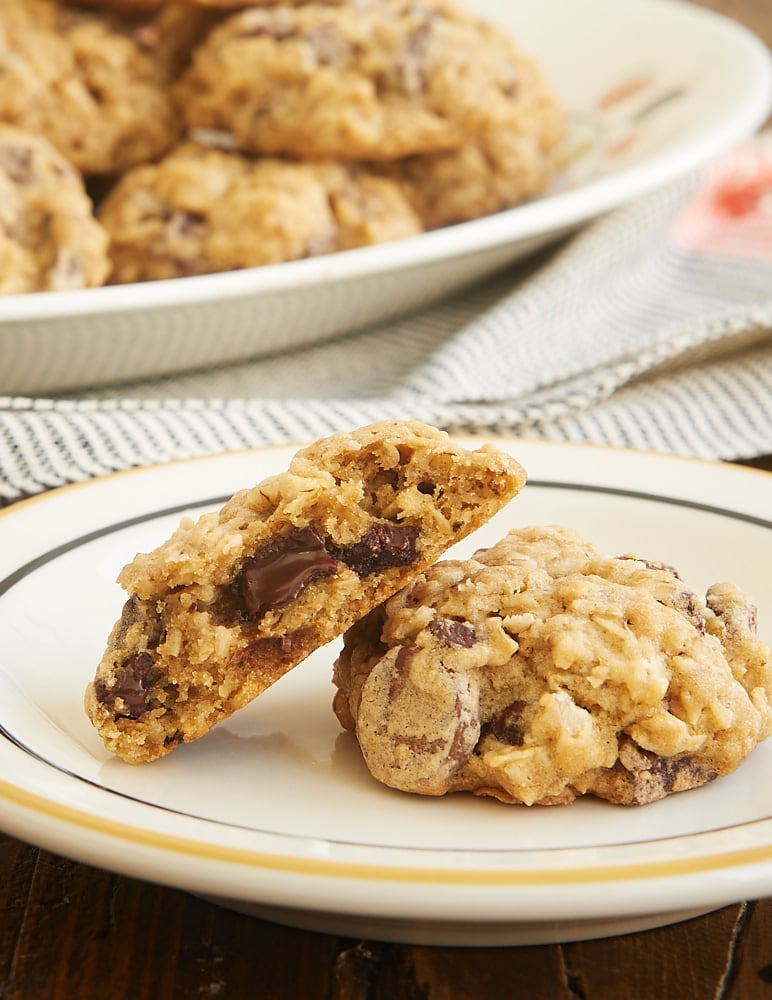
(540, 670)
(231, 602)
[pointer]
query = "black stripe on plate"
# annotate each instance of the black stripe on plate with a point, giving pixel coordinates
(46, 557)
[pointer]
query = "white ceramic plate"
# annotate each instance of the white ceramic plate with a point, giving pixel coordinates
(654, 88)
(274, 812)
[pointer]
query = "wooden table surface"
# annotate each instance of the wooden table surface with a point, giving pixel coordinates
(71, 931)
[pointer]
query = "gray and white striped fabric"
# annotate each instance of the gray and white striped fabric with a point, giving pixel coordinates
(627, 334)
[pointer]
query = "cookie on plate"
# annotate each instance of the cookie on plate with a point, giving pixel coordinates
(540, 670)
(503, 166)
(233, 601)
(202, 210)
(49, 239)
(377, 80)
(76, 78)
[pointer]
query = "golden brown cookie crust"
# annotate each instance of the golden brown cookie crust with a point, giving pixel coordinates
(74, 77)
(233, 601)
(540, 670)
(49, 239)
(202, 210)
(502, 166)
(377, 80)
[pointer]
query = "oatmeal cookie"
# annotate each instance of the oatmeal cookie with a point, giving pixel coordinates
(367, 208)
(497, 169)
(376, 80)
(231, 602)
(49, 239)
(170, 34)
(74, 77)
(201, 210)
(540, 670)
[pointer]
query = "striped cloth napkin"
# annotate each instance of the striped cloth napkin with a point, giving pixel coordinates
(651, 328)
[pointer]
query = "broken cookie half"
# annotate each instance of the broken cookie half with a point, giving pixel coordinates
(540, 670)
(231, 602)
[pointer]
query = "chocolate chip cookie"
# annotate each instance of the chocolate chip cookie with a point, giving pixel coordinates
(233, 601)
(49, 239)
(374, 80)
(76, 78)
(202, 210)
(540, 670)
(501, 167)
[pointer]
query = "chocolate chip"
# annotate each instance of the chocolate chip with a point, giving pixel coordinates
(690, 606)
(654, 564)
(452, 633)
(184, 224)
(279, 572)
(507, 726)
(669, 773)
(401, 671)
(383, 546)
(132, 686)
(464, 737)
(419, 744)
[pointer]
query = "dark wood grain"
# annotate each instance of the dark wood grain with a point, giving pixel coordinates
(71, 931)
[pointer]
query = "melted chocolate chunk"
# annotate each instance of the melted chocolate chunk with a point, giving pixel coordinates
(383, 546)
(452, 633)
(132, 685)
(507, 726)
(279, 572)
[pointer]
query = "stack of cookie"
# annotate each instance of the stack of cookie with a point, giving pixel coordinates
(222, 135)
(534, 672)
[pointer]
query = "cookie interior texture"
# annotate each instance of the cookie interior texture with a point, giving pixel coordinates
(540, 670)
(231, 602)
